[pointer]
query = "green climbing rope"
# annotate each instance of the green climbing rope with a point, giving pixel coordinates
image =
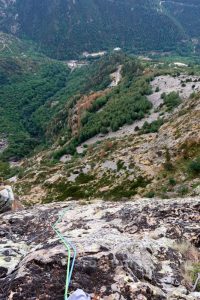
(67, 246)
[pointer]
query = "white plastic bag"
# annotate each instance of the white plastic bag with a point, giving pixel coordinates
(79, 295)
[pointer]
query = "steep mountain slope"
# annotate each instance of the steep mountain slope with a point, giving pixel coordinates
(161, 162)
(187, 12)
(49, 106)
(117, 128)
(38, 90)
(66, 28)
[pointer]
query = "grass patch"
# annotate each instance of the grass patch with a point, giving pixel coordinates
(191, 267)
(191, 271)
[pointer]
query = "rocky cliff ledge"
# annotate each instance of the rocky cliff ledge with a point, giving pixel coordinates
(147, 249)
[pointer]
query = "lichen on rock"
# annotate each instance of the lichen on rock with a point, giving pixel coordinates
(125, 250)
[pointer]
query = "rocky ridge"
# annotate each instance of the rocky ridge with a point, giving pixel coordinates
(132, 250)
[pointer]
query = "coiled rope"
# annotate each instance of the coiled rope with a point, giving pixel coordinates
(68, 245)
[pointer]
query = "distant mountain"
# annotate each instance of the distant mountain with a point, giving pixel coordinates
(187, 13)
(66, 28)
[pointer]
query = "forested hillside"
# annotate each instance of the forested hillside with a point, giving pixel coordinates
(35, 90)
(99, 130)
(187, 13)
(67, 28)
(46, 106)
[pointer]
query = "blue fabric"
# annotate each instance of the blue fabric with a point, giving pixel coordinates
(79, 295)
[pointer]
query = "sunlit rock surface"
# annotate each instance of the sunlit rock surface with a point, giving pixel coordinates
(125, 250)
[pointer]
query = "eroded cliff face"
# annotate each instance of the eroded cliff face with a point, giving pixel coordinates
(147, 249)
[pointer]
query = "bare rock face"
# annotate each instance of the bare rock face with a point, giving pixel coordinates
(125, 250)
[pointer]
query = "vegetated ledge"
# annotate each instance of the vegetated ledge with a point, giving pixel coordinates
(148, 249)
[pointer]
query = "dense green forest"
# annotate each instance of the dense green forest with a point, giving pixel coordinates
(20, 96)
(122, 105)
(37, 95)
(187, 13)
(66, 28)
(33, 92)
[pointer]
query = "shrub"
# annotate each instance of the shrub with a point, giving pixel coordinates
(191, 256)
(120, 165)
(168, 164)
(183, 190)
(104, 130)
(137, 128)
(152, 127)
(59, 153)
(7, 172)
(172, 181)
(194, 166)
(108, 145)
(127, 189)
(171, 100)
(150, 194)
(163, 95)
(84, 178)
(62, 191)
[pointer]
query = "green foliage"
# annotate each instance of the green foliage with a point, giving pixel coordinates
(187, 12)
(183, 190)
(194, 166)
(168, 164)
(63, 190)
(120, 165)
(20, 145)
(152, 127)
(194, 274)
(150, 194)
(133, 25)
(84, 178)
(172, 181)
(39, 96)
(73, 191)
(171, 100)
(11, 46)
(6, 171)
(59, 153)
(127, 189)
(24, 96)
(124, 105)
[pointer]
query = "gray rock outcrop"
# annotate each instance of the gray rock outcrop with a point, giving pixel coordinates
(132, 250)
